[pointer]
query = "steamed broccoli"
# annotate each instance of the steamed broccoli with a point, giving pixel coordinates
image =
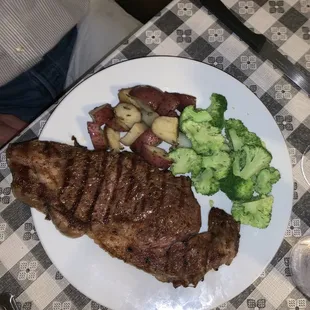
(197, 115)
(238, 135)
(256, 212)
(185, 160)
(237, 188)
(205, 138)
(265, 179)
(225, 147)
(217, 109)
(205, 183)
(250, 160)
(220, 162)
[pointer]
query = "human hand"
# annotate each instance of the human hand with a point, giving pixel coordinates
(10, 126)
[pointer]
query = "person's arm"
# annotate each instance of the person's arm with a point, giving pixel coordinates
(10, 126)
(29, 29)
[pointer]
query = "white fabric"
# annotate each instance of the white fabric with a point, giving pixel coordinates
(31, 28)
(105, 26)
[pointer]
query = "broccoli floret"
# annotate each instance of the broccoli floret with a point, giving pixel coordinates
(206, 139)
(185, 160)
(225, 147)
(265, 179)
(250, 160)
(205, 183)
(220, 162)
(197, 115)
(238, 135)
(217, 109)
(237, 188)
(256, 213)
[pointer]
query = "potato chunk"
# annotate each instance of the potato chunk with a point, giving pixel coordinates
(166, 128)
(156, 156)
(127, 114)
(137, 130)
(113, 138)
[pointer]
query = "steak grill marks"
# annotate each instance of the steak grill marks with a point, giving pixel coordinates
(130, 181)
(112, 200)
(98, 185)
(139, 214)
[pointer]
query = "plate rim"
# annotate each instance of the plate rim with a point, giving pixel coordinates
(88, 76)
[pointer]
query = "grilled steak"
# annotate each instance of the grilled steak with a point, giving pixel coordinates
(142, 215)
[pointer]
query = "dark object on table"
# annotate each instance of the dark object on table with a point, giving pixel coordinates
(143, 10)
(264, 48)
(7, 302)
(142, 215)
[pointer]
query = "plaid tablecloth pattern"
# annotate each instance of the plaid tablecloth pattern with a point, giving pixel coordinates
(186, 29)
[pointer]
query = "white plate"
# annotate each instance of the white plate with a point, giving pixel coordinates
(117, 285)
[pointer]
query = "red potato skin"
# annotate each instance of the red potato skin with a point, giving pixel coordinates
(148, 95)
(185, 101)
(97, 136)
(169, 104)
(101, 115)
(173, 114)
(104, 115)
(155, 159)
(148, 138)
(115, 125)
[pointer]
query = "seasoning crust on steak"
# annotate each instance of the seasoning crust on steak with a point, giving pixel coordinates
(142, 215)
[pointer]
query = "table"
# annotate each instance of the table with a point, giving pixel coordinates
(186, 29)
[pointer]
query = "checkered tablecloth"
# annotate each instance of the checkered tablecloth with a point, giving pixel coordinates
(186, 29)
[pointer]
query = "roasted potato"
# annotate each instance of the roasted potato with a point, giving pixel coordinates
(113, 138)
(147, 137)
(97, 136)
(156, 156)
(117, 125)
(136, 131)
(166, 128)
(169, 104)
(148, 95)
(127, 114)
(173, 114)
(185, 100)
(101, 115)
(105, 115)
(148, 117)
(124, 96)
